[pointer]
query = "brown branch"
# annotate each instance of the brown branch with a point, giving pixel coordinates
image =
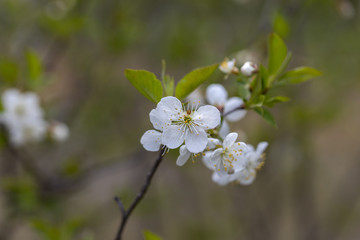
(127, 212)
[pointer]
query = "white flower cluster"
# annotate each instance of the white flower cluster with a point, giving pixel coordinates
(204, 131)
(24, 119)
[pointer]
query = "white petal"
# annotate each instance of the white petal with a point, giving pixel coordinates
(171, 106)
(220, 170)
(261, 147)
(250, 148)
(221, 180)
(232, 104)
(159, 119)
(151, 140)
(230, 140)
(207, 160)
(216, 157)
(216, 94)
(183, 157)
(173, 136)
(247, 177)
(225, 129)
(207, 117)
(196, 140)
(212, 142)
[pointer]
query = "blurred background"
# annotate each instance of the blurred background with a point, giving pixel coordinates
(308, 188)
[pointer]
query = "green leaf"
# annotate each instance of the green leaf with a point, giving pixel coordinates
(34, 65)
(265, 114)
(193, 80)
(270, 102)
(151, 236)
(281, 25)
(146, 83)
(298, 75)
(277, 53)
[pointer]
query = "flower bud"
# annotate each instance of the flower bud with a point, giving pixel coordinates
(249, 68)
(228, 67)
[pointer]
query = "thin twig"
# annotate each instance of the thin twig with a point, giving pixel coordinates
(127, 212)
(121, 205)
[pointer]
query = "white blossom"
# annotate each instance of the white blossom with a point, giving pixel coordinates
(229, 157)
(22, 117)
(254, 160)
(189, 124)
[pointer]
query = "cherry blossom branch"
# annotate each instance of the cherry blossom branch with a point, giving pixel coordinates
(127, 212)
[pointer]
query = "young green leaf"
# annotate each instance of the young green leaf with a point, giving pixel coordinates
(193, 80)
(266, 115)
(281, 25)
(146, 82)
(270, 102)
(34, 65)
(298, 75)
(168, 83)
(277, 53)
(151, 236)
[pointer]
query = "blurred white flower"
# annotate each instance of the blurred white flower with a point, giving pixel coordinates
(22, 117)
(249, 68)
(244, 171)
(59, 131)
(228, 66)
(254, 160)
(229, 157)
(217, 95)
